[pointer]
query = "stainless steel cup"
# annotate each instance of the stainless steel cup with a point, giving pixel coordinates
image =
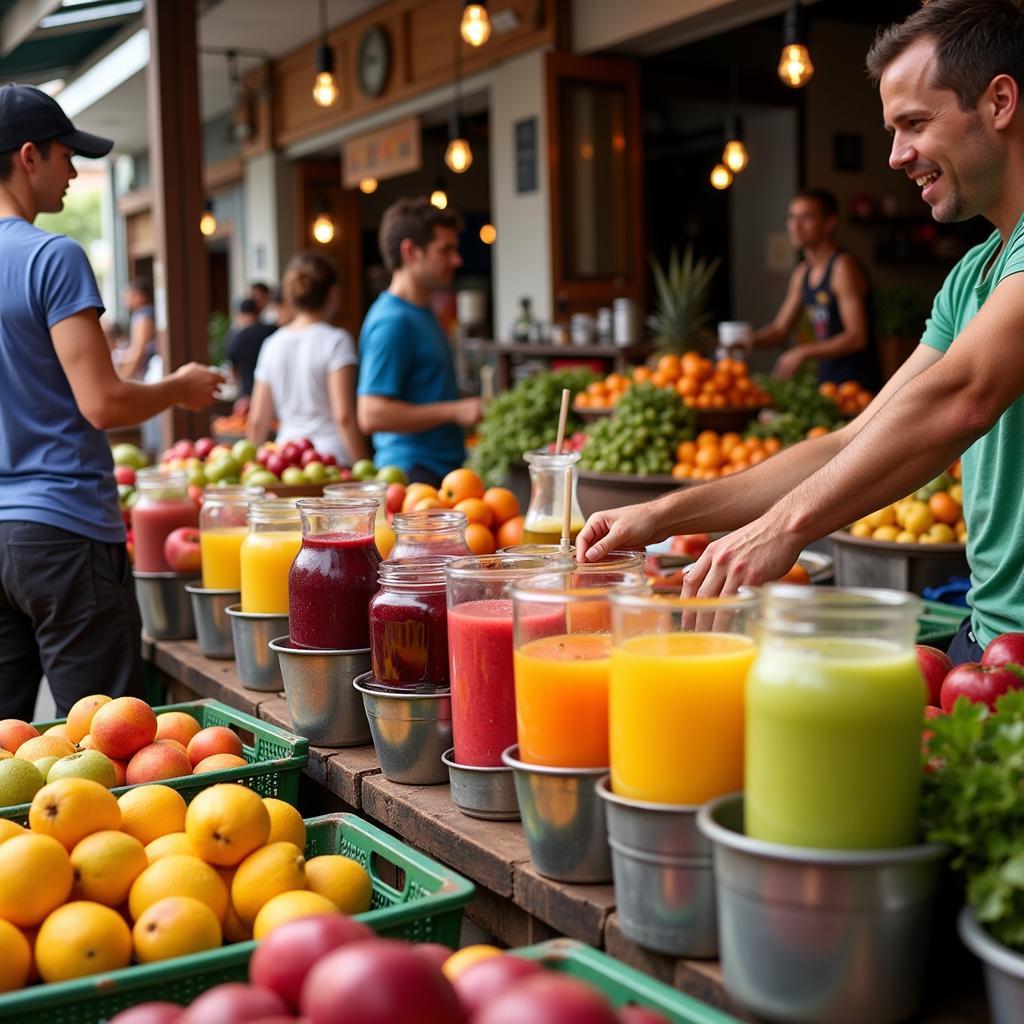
(410, 731)
(318, 685)
(563, 819)
(213, 627)
(164, 606)
(258, 666)
(810, 936)
(1004, 970)
(664, 883)
(482, 792)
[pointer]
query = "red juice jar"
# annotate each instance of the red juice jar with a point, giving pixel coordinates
(431, 531)
(334, 575)
(162, 507)
(409, 623)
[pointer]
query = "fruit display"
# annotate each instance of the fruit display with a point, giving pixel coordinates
(641, 436)
(711, 455)
(849, 396)
(127, 460)
(492, 512)
(115, 742)
(933, 514)
(233, 425)
(699, 382)
(799, 409)
(521, 420)
(98, 881)
(330, 970)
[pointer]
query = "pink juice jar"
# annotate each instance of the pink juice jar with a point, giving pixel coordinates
(162, 507)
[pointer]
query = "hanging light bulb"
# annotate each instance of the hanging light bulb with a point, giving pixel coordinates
(207, 222)
(323, 226)
(721, 177)
(458, 156)
(488, 233)
(368, 186)
(795, 67)
(325, 88)
(439, 197)
(476, 25)
(734, 156)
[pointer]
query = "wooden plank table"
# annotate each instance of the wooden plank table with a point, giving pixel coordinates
(514, 903)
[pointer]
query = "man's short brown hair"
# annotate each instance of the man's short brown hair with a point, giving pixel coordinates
(414, 219)
(975, 40)
(7, 159)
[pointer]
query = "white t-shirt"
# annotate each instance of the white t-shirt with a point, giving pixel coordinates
(294, 364)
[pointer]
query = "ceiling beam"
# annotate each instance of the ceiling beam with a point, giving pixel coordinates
(21, 21)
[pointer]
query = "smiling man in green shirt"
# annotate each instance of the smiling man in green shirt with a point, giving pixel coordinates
(950, 78)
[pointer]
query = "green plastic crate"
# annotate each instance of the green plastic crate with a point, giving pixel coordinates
(414, 898)
(276, 758)
(621, 984)
(938, 623)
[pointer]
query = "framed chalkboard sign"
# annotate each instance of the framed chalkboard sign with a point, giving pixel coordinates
(525, 133)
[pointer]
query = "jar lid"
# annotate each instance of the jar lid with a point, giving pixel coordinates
(335, 503)
(802, 611)
(429, 520)
(274, 510)
(504, 566)
(233, 494)
(352, 488)
(411, 572)
(159, 478)
(549, 460)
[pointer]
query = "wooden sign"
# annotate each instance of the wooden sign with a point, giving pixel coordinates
(385, 153)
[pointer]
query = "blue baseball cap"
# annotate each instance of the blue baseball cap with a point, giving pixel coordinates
(27, 114)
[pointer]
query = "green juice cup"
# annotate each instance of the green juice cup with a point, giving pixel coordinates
(834, 715)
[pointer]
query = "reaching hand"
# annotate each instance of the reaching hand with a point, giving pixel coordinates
(197, 386)
(621, 529)
(787, 365)
(468, 412)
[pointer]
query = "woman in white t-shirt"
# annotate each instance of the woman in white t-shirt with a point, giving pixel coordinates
(306, 371)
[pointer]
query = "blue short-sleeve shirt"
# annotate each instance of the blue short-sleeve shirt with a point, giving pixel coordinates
(55, 467)
(405, 355)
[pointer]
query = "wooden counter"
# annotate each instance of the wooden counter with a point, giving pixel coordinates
(513, 902)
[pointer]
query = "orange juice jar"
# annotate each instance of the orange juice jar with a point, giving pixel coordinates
(223, 525)
(268, 550)
(677, 693)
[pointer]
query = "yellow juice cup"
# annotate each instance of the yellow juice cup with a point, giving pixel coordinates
(222, 557)
(273, 541)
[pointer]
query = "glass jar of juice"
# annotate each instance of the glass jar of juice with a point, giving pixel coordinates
(268, 550)
(678, 675)
(561, 663)
(334, 575)
(429, 532)
(409, 623)
(834, 705)
(548, 476)
(223, 525)
(480, 651)
(162, 507)
(383, 535)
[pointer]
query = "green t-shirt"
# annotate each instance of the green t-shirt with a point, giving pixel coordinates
(993, 467)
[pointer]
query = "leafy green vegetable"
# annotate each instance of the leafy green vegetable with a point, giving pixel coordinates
(523, 418)
(973, 799)
(797, 407)
(642, 434)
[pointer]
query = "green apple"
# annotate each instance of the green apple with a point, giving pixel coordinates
(86, 764)
(315, 472)
(124, 492)
(392, 475)
(129, 455)
(293, 477)
(221, 469)
(243, 452)
(364, 469)
(197, 474)
(44, 764)
(263, 478)
(333, 474)
(19, 781)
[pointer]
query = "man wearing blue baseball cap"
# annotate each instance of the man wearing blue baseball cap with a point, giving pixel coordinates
(67, 604)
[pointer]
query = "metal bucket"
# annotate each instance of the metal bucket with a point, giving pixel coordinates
(810, 936)
(1004, 970)
(482, 792)
(164, 606)
(213, 627)
(318, 685)
(410, 731)
(664, 882)
(563, 819)
(258, 666)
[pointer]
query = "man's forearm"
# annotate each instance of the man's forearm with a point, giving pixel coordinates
(841, 344)
(378, 414)
(130, 402)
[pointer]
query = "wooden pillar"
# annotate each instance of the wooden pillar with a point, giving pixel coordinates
(176, 167)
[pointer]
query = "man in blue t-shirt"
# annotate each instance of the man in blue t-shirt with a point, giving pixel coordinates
(408, 398)
(67, 603)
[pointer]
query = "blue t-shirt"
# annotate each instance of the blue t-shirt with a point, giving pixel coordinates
(405, 355)
(55, 467)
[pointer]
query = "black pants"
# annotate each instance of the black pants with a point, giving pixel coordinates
(67, 610)
(964, 647)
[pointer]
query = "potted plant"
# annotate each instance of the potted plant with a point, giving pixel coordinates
(973, 799)
(683, 287)
(900, 313)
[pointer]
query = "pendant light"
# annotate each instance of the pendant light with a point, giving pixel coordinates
(721, 177)
(323, 225)
(476, 25)
(439, 198)
(368, 186)
(488, 233)
(325, 88)
(795, 67)
(735, 155)
(458, 157)
(207, 222)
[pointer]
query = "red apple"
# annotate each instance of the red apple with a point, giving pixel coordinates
(276, 463)
(181, 549)
(282, 960)
(125, 475)
(1004, 649)
(262, 454)
(434, 952)
(308, 456)
(167, 455)
(183, 449)
(482, 982)
(203, 447)
(346, 473)
(150, 1013)
(195, 492)
(979, 684)
(304, 444)
(234, 1003)
(291, 453)
(328, 460)
(935, 666)
(548, 998)
(692, 544)
(640, 1015)
(395, 497)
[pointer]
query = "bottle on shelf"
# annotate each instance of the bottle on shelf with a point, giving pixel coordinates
(523, 329)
